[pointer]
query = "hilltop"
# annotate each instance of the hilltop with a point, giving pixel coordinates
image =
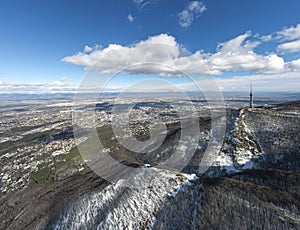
(253, 182)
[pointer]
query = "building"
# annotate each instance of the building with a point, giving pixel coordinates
(251, 96)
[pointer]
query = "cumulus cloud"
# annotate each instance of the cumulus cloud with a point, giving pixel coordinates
(162, 48)
(290, 33)
(291, 36)
(193, 11)
(87, 49)
(290, 47)
(293, 66)
(236, 54)
(130, 18)
(288, 37)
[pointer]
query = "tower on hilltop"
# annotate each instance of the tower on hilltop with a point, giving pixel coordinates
(251, 96)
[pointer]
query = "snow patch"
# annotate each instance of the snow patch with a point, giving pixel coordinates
(81, 169)
(118, 207)
(58, 152)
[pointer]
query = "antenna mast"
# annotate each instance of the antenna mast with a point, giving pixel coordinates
(251, 96)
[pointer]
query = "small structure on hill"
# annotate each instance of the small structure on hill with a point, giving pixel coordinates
(251, 96)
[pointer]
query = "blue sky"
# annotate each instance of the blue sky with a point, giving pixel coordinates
(36, 36)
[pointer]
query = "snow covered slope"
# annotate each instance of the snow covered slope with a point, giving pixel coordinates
(163, 194)
(240, 150)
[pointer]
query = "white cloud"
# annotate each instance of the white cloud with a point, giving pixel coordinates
(130, 18)
(289, 34)
(185, 18)
(238, 55)
(290, 47)
(143, 3)
(162, 48)
(286, 81)
(234, 55)
(266, 38)
(139, 2)
(62, 85)
(197, 7)
(63, 82)
(87, 49)
(188, 15)
(289, 37)
(57, 83)
(293, 65)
